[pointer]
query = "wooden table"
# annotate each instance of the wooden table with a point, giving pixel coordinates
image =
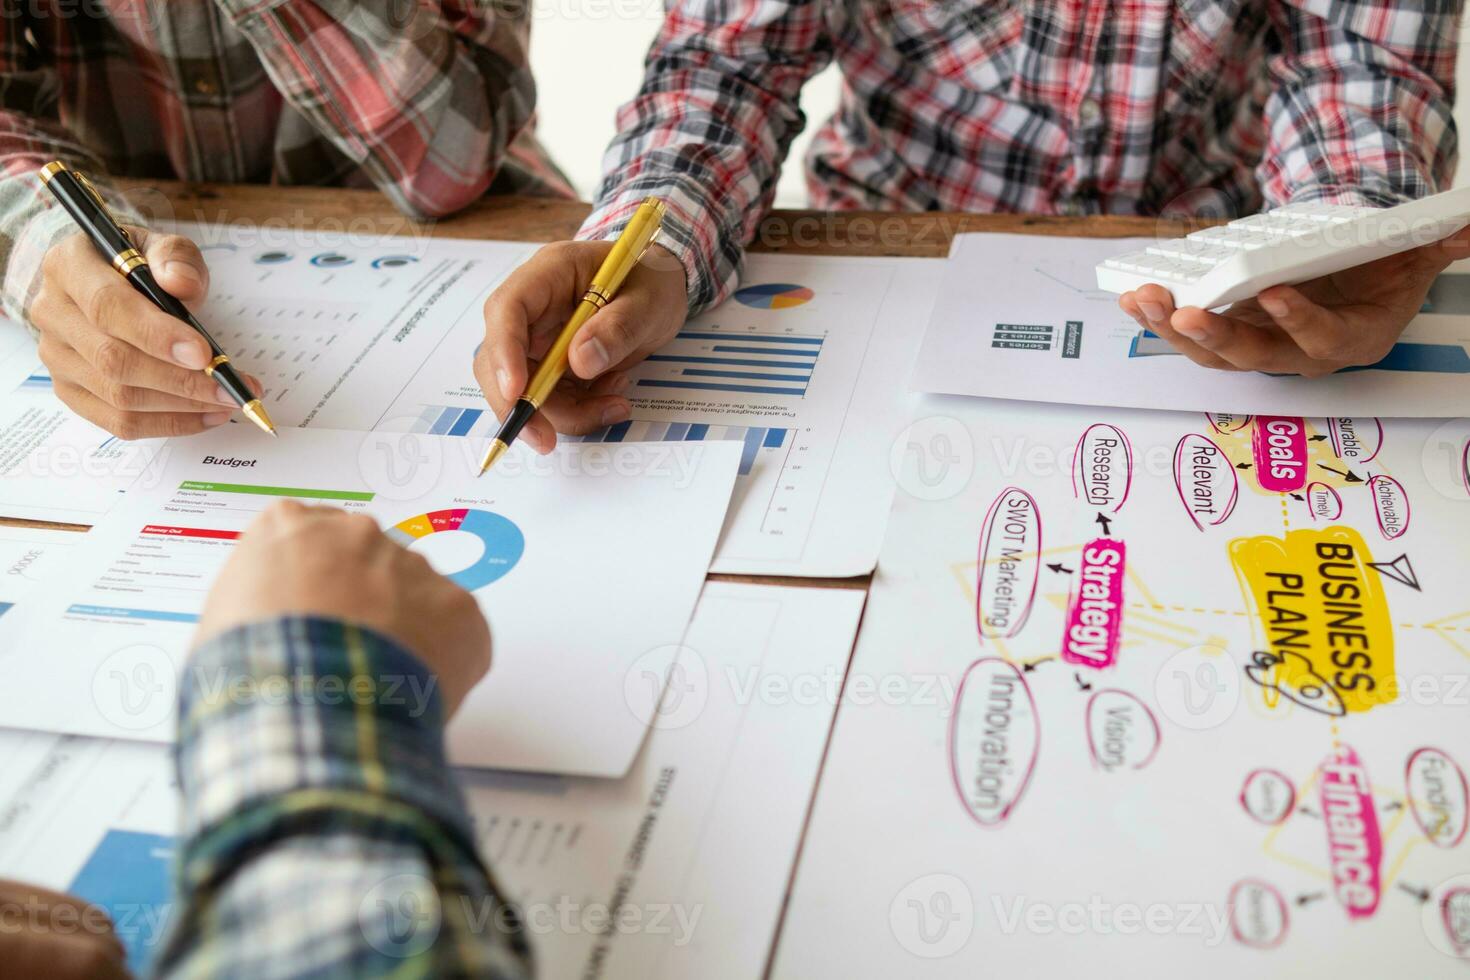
(528, 219)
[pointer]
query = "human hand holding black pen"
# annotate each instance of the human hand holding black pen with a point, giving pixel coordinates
(115, 358)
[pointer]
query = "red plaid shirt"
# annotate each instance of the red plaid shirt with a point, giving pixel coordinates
(430, 102)
(1211, 107)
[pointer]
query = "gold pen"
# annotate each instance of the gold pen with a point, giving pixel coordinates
(74, 192)
(626, 253)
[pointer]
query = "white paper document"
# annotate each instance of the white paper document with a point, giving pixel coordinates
(101, 645)
(23, 752)
(28, 556)
(333, 325)
(13, 337)
(680, 868)
(94, 818)
(54, 465)
(1153, 693)
(804, 365)
(336, 326)
(1020, 316)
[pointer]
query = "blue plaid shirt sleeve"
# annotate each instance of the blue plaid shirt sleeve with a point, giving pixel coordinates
(322, 832)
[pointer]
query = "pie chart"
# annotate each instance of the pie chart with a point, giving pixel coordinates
(774, 296)
(503, 541)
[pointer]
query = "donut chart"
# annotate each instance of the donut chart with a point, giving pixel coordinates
(774, 296)
(504, 543)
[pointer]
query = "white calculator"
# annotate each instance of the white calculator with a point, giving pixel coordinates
(1291, 244)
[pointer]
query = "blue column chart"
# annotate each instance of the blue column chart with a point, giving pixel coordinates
(128, 875)
(755, 438)
(776, 363)
(502, 539)
(793, 367)
(451, 420)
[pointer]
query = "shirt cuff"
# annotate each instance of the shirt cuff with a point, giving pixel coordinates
(42, 226)
(43, 229)
(687, 230)
(300, 714)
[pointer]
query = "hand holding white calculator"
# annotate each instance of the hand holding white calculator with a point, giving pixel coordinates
(1292, 244)
(1310, 289)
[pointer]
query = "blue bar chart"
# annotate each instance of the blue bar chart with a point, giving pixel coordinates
(128, 876)
(735, 362)
(755, 439)
(454, 421)
(447, 420)
(1409, 356)
(774, 369)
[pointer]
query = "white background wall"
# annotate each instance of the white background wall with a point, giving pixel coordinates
(588, 59)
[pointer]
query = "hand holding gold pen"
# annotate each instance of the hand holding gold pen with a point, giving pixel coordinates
(75, 193)
(626, 253)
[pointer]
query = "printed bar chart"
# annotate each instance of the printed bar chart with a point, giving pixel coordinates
(739, 362)
(445, 420)
(1436, 358)
(1404, 356)
(754, 438)
(128, 875)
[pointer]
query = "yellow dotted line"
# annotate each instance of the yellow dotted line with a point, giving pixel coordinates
(1285, 515)
(1160, 607)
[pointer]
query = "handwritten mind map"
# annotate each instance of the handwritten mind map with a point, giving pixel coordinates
(1216, 669)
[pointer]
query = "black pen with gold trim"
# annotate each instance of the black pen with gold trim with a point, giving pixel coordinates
(74, 192)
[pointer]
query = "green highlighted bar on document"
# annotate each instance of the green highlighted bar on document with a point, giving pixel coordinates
(276, 491)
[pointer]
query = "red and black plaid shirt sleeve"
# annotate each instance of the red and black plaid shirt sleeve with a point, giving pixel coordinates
(1207, 107)
(430, 102)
